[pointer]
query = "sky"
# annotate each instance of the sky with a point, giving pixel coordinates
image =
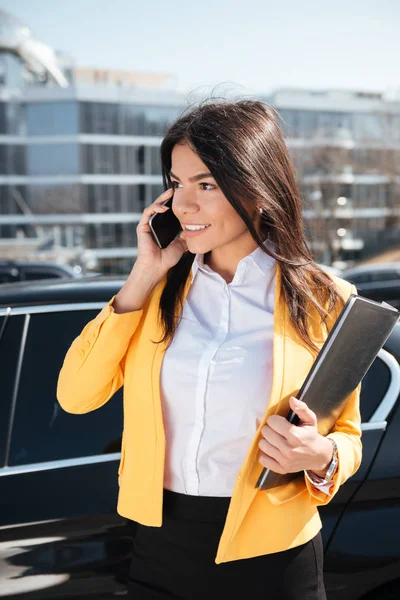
(248, 46)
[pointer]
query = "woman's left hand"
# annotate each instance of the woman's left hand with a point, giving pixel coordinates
(287, 448)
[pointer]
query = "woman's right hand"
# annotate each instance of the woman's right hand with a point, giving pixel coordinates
(152, 262)
(150, 257)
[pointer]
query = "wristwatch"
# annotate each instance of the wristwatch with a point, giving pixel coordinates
(331, 469)
(334, 462)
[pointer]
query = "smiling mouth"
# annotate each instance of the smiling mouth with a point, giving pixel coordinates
(195, 227)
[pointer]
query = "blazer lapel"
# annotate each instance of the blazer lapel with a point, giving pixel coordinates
(159, 350)
(291, 362)
(245, 491)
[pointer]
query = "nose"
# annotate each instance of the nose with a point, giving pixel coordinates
(184, 203)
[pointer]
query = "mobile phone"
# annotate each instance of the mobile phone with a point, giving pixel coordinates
(165, 227)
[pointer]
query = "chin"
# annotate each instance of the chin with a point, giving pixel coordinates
(198, 247)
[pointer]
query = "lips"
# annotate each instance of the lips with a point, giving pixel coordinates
(194, 227)
(197, 230)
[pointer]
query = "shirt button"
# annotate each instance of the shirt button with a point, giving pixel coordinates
(238, 477)
(81, 353)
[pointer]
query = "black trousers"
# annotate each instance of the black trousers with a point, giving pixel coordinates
(176, 561)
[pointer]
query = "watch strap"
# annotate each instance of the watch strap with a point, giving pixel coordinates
(332, 468)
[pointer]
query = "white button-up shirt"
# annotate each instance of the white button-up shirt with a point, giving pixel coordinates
(216, 375)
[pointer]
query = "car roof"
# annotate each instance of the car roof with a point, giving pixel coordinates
(94, 289)
(33, 263)
(389, 266)
(62, 290)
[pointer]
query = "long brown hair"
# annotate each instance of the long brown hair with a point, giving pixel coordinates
(243, 147)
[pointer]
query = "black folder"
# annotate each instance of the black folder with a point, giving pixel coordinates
(351, 347)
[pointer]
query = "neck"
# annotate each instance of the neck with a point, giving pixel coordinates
(225, 259)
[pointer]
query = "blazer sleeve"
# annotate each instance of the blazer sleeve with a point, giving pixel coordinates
(347, 434)
(93, 368)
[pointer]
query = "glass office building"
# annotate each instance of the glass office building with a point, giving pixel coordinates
(79, 162)
(346, 149)
(79, 152)
(87, 152)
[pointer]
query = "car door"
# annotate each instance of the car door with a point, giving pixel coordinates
(363, 550)
(59, 531)
(9, 274)
(6, 388)
(382, 291)
(375, 389)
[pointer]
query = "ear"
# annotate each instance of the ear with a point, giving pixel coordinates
(256, 217)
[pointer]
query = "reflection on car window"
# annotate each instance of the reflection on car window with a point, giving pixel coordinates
(385, 275)
(43, 431)
(7, 276)
(373, 388)
(359, 278)
(10, 341)
(30, 275)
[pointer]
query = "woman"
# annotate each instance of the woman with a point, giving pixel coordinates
(212, 338)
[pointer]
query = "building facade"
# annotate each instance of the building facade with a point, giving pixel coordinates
(346, 149)
(79, 153)
(79, 160)
(88, 157)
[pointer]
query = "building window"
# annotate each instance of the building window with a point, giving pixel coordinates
(3, 120)
(155, 161)
(103, 198)
(126, 119)
(395, 128)
(370, 127)
(12, 159)
(52, 118)
(50, 199)
(52, 159)
(99, 117)
(134, 198)
(336, 125)
(112, 159)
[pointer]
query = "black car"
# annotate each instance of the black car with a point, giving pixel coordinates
(373, 272)
(13, 270)
(60, 535)
(377, 281)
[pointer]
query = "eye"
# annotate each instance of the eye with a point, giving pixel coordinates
(211, 186)
(174, 184)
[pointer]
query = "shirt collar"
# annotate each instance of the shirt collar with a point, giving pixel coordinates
(258, 257)
(263, 261)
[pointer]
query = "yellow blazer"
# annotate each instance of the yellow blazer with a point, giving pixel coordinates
(117, 349)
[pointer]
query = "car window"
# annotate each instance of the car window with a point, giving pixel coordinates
(6, 278)
(9, 275)
(42, 430)
(382, 292)
(373, 388)
(10, 344)
(358, 277)
(385, 275)
(31, 274)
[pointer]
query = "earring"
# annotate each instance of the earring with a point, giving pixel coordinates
(261, 210)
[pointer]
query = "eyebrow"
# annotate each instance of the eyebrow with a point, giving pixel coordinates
(194, 178)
